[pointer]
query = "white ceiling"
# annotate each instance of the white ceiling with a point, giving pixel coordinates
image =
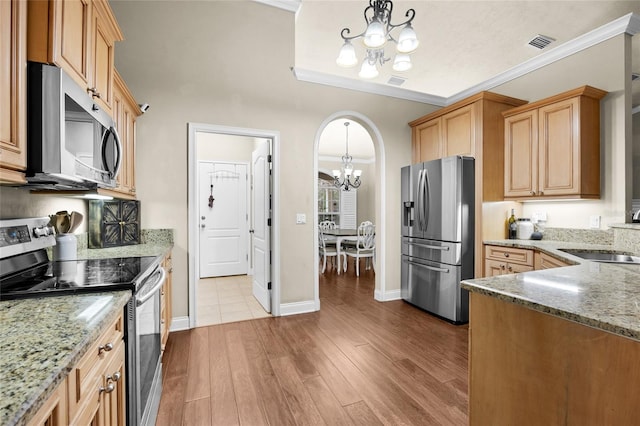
(465, 47)
(463, 44)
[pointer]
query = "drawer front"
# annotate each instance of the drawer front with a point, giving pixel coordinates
(85, 379)
(510, 255)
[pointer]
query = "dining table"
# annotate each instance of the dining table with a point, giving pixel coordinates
(341, 236)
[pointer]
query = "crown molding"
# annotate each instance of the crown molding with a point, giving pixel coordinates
(627, 24)
(288, 5)
(366, 86)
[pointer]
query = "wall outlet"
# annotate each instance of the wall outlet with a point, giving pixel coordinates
(594, 222)
(301, 218)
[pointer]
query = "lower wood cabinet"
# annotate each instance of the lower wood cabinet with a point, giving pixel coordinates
(544, 261)
(529, 367)
(54, 411)
(165, 302)
(94, 392)
(97, 384)
(507, 260)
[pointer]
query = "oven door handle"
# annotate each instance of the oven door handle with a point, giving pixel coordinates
(148, 294)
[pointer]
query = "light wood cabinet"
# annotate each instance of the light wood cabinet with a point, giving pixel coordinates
(165, 301)
(125, 114)
(79, 36)
(96, 385)
(54, 411)
(526, 364)
(472, 127)
(507, 260)
(13, 105)
(544, 261)
(552, 147)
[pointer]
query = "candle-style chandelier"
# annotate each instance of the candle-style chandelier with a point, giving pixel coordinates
(378, 18)
(342, 178)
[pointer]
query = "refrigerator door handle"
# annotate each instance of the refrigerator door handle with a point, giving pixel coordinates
(420, 200)
(443, 248)
(432, 268)
(426, 199)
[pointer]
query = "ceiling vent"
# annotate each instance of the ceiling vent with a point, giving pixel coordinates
(396, 81)
(540, 41)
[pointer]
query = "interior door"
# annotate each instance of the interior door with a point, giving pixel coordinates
(261, 229)
(222, 188)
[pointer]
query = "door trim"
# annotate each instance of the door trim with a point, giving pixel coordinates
(192, 215)
(380, 292)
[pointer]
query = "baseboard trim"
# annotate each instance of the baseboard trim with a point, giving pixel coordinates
(179, 323)
(387, 295)
(295, 308)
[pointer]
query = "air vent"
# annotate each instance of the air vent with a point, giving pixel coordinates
(541, 41)
(396, 81)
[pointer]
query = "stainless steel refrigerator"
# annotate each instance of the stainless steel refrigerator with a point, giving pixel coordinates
(438, 199)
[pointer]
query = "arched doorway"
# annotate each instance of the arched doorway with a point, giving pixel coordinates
(378, 193)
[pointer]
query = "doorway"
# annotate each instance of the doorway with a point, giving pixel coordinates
(377, 176)
(233, 257)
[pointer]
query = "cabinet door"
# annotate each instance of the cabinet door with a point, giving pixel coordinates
(521, 154)
(114, 402)
(103, 42)
(72, 23)
(13, 38)
(429, 138)
(544, 261)
(493, 268)
(459, 131)
(559, 150)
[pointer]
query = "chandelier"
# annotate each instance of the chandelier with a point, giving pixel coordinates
(378, 18)
(342, 178)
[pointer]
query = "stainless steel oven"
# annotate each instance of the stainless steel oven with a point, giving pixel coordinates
(26, 271)
(144, 354)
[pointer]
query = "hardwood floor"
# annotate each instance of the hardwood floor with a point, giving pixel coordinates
(355, 362)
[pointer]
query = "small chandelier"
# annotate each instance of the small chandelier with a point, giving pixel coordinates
(378, 18)
(347, 169)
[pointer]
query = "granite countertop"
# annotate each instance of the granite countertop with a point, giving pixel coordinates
(601, 295)
(41, 339)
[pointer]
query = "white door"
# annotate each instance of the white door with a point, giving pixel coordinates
(261, 229)
(222, 188)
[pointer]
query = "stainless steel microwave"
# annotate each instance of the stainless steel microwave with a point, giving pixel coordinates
(72, 144)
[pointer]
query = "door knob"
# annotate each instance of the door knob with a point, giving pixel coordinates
(202, 217)
(202, 226)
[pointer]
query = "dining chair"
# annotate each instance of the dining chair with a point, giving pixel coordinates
(365, 247)
(327, 250)
(325, 225)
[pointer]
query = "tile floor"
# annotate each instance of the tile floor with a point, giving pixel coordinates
(226, 299)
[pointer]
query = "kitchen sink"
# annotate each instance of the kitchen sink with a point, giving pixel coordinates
(601, 256)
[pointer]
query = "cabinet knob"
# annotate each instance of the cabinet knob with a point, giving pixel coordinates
(533, 192)
(541, 192)
(506, 255)
(501, 266)
(105, 348)
(110, 388)
(114, 377)
(510, 269)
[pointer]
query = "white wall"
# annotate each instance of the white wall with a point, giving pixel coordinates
(202, 62)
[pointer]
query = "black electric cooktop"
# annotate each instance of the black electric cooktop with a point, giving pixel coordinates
(47, 278)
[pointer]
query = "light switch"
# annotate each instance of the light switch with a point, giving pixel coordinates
(301, 218)
(594, 222)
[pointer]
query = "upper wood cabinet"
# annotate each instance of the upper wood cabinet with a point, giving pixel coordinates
(472, 127)
(125, 114)
(552, 147)
(13, 106)
(79, 37)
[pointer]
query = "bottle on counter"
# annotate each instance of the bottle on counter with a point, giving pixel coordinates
(524, 229)
(512, 227)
